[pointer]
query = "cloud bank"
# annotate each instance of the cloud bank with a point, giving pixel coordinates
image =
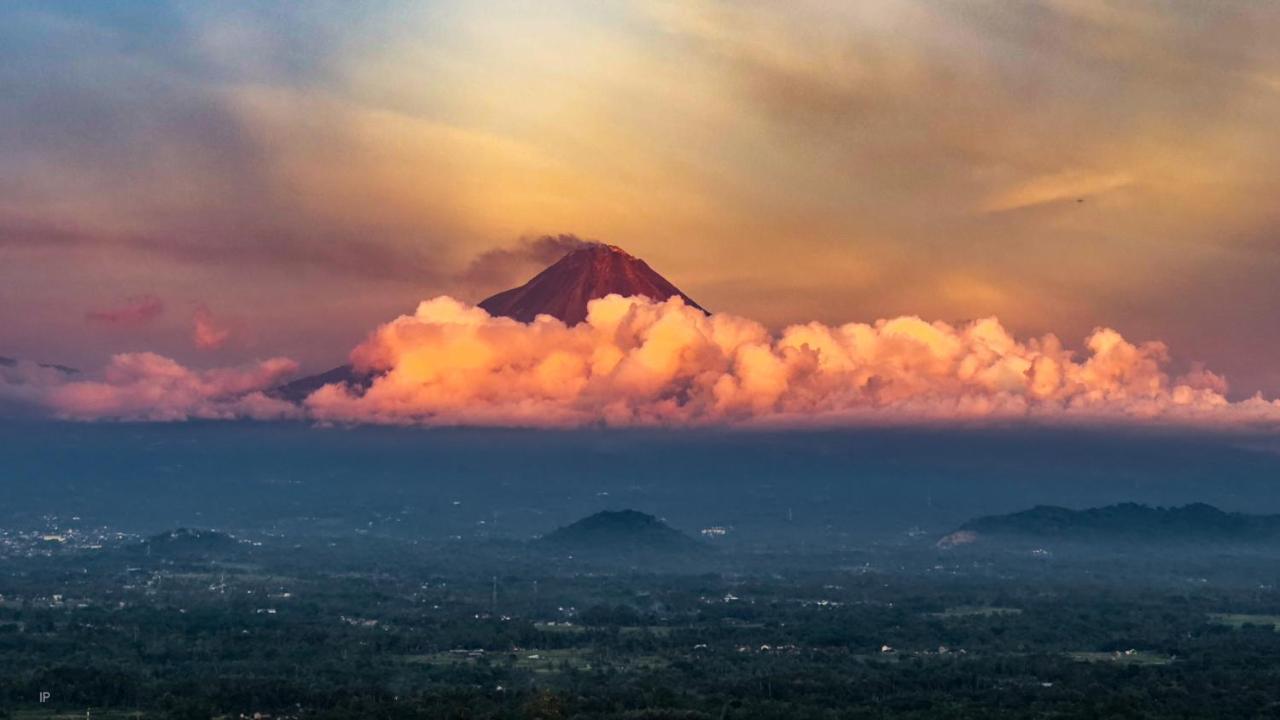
(639, 362)
(149, 387)
(636, 362)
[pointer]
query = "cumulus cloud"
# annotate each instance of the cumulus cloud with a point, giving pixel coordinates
(638, 362)
(146, 386)
(209, 332)
(135, 311)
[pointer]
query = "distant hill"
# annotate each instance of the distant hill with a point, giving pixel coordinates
(623, 531)
(186, 543)
(1127, 522)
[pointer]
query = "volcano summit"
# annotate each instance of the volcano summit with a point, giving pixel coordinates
(588, 273)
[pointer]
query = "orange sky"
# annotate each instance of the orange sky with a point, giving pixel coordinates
(288, 178)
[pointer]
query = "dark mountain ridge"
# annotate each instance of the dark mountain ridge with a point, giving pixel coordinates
(1126, 522)
(11, 362)
(298, 390)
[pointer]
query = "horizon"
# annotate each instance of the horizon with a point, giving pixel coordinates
(599, 337)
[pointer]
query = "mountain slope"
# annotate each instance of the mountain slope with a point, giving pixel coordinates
(298, 390)
(12, 362)
(189, 544)
(623, 531)
(588, 273)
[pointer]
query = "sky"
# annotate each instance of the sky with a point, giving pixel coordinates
(232, 183)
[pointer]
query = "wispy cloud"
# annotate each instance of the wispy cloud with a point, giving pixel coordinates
(282, 248)
(135, 311)
(209, 332)
(1070, 185)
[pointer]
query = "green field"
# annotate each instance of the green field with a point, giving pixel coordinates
(1239, 620)
(1129, 657)
(542, 661)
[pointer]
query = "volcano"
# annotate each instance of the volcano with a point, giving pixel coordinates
(562, 291)
(588, 273)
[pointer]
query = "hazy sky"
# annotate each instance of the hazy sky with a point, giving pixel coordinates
(228, 181)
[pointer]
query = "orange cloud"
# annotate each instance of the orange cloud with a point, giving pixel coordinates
(1067, 185)
(638, 362)
(208, 332)
(146, 386)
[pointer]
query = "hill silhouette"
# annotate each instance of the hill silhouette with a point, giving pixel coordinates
(11, 362)
(622, 531)
(1127, 522)
(188, 543)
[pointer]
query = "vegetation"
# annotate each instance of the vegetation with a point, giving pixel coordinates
(206, 625)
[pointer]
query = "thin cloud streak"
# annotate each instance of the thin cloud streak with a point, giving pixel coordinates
(136, 311)
(284, 249)
(208, 332)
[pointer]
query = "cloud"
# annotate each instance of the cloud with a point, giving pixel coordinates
(208, 332)
(127, 137)
(783, 160)
(1066, 185)
(235, 242)
(24, 385)
(135, 311)
(638, 362)
(149, 387)
(502, 267)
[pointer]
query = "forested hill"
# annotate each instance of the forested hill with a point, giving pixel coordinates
(1130, 522)
(624, 530)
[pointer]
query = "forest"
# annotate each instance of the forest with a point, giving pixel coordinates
(200, 624)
